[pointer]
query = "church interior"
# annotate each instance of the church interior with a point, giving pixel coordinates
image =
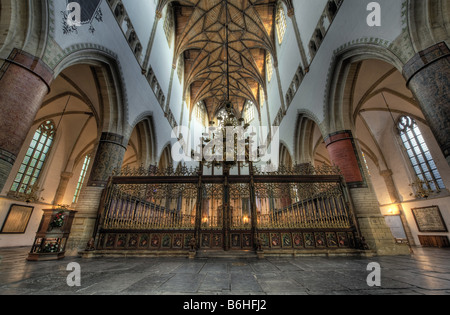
(108, 109)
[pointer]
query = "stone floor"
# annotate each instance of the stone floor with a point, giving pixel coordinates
(425, 272)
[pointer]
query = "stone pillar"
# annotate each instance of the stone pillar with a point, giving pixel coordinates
(428, 77)
(24, 82)
(291, 14)
(395, 198)
(390, 185)
(61, 191)
(151, 40)
(110, 153)
(343, 153)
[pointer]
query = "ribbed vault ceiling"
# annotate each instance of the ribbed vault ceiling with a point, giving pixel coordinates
(203, 29)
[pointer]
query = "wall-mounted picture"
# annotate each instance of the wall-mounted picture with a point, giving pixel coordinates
(429, 219)
(16, 221)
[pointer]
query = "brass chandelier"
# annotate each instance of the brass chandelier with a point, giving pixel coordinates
(239, 145)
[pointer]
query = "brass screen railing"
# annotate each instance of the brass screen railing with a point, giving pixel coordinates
(185, 201)
(150, 207)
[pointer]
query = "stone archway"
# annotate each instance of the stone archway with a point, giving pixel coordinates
(142, 143)
(429, 22)
(110, 143)
(114, 107)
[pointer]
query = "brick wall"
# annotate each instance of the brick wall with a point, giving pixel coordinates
(24, 82)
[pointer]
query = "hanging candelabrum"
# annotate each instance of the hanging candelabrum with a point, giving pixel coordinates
(228, 142)
(27, 194)
(422, 189)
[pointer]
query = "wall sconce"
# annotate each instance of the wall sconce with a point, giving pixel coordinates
(393, 210)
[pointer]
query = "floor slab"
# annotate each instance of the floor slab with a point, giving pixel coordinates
(425, 272)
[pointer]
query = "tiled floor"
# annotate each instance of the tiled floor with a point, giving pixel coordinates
(427, 271)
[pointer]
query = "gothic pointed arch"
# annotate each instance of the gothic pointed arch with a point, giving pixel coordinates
(109, 83)
(429, 22)
(343, 70)
(143, 141)
(285, 156)
(309, 141)
(23, 25)
(165, 159)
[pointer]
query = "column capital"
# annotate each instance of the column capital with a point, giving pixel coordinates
(31, 63)
(427, 75)
(338, 136)
(291, 12)
(109, 156)
(66, 175)
(290, 7)
(425, 58)
(386, 173)
(7, 156)
(343, 153)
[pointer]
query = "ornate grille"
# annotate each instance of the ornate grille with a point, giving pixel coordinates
(149, 208)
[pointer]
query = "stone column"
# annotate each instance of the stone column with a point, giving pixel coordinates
(151, 40)
(428, 77)
(395, 198)
(343, 152)
(110, 153)
(291, 14)
(61, 191)
(24, 82)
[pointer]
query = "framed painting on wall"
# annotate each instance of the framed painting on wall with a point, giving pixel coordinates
(429, 219)
(17, 219)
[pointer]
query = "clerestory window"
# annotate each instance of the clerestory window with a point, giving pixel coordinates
(419, 154)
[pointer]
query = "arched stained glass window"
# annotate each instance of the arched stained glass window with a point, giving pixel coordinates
(84, 169)
(169, 23)
(249, 112)
(269, 65)
(262, 98)
(35, 158)
(419, 154)
(200, 112)
(281, 24)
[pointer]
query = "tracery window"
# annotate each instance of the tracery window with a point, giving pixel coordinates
(365, 162)
(200, 112)
(180, 68)
(35, 158)
(249, 112)
(269, 65)
(419, 154)
(84, 169)
(169, 24)
(262, 98)
(281, 24)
